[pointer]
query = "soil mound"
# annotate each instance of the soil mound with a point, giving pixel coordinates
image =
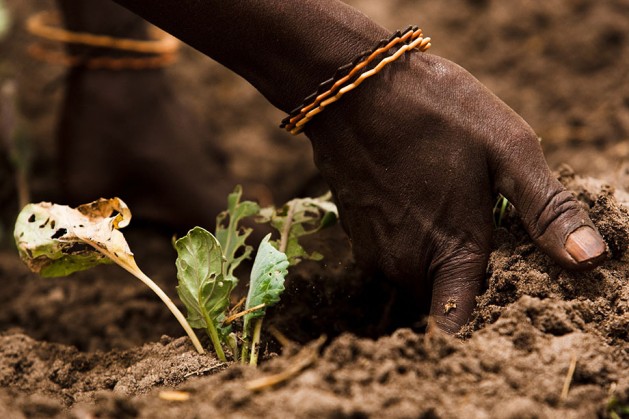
(544, 342)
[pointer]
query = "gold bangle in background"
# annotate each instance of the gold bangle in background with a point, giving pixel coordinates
(161, 51)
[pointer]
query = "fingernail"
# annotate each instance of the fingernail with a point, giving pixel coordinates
(585, 244)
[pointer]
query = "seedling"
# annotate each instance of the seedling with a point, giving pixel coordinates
(56, 240)
(207, 262)
(204, 287)
(14, 145)
(267, 283)
(616, 409)
(296, 219)
(500, 210)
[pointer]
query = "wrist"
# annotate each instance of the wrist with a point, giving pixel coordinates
(350, 76)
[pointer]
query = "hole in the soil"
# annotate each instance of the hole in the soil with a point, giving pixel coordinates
(541, 21)
(576, 122)
(612, 38)
(599, 142)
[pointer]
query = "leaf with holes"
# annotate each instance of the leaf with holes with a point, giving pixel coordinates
(230, 236)
(299, 218)
(56, 240)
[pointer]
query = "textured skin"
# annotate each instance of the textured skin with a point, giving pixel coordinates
(415, 160)
(414, 156)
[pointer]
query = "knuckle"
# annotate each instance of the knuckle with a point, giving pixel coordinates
(461, 264)
(558, 206)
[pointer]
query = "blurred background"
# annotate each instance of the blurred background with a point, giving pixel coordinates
(562, 64)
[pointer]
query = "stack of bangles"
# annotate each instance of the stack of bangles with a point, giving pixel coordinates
(349, 76)
(154, 53)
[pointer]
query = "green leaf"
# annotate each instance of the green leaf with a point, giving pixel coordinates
(267, 279)
(231, 238)
(202, 287)
(304, 216)
(56, 240)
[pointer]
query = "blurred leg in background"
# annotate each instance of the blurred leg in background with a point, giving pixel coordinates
(122, 130)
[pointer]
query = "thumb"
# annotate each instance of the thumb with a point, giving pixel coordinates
(552, 216)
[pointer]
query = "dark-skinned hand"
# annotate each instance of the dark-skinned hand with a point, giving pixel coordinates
(415, 159)
(414, 156)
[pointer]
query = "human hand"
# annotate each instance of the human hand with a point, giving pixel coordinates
(415, 157)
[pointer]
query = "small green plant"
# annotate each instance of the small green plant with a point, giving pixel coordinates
(299, 218)
(15, 151)
(501, 208)
(267, 283)
(56, 240)
(616, 409)
(206, 265)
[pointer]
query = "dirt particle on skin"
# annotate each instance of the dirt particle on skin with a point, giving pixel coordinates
(449, 306)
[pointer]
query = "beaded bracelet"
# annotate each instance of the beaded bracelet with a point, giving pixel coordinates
(411, 33)
(343, 71)
(333, 89)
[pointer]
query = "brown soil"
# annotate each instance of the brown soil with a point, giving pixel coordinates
(543, 342)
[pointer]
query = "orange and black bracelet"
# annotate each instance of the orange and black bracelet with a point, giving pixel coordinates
(349, 76)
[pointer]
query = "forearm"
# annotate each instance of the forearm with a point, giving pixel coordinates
(285, 48)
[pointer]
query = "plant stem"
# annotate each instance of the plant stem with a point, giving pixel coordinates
(244, 354)
(255, 341)
(128, 264)
(232, 342)
(213, 333)
(171, 306)
(287, 225)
